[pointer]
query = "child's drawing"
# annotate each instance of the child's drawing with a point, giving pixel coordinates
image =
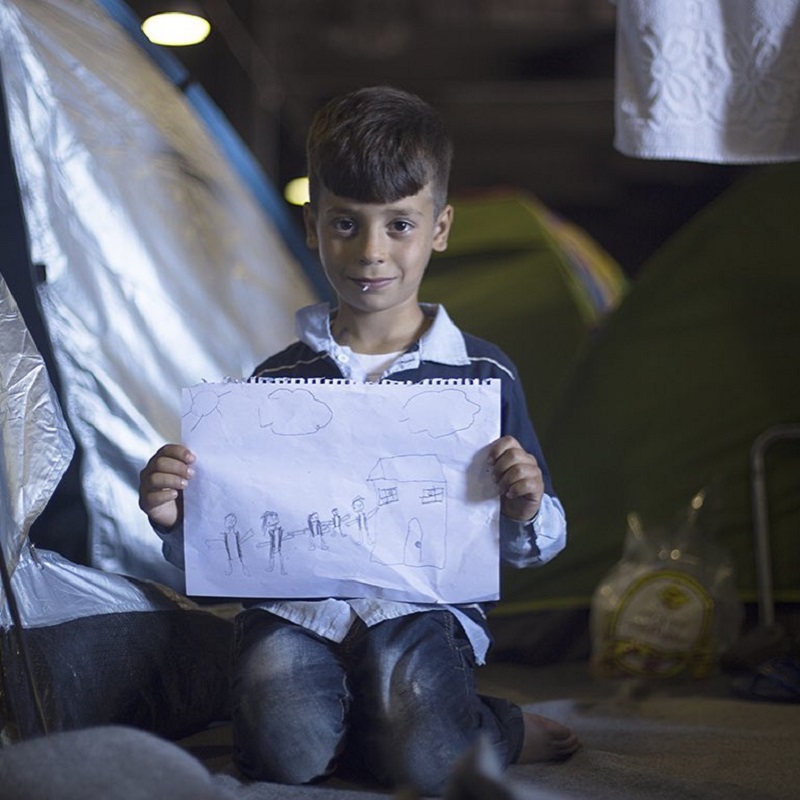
(293, 412)
(204, 401)
(231, 540)
(316, 532)
(336, 522)
(440, 412)
(271, 527)
(412, 504)
(360, 519)
(371, 490)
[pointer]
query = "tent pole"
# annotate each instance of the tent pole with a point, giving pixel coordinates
(766, 605)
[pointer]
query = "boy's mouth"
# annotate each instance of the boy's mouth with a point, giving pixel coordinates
(372, 284)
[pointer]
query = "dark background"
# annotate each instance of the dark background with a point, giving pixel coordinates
(525, 86)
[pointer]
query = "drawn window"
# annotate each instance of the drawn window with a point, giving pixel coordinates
(433, 494)
(388, 495)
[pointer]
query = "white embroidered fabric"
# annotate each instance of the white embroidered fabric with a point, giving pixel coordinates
(708, 80)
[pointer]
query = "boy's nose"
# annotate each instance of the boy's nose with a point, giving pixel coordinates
(373, 250)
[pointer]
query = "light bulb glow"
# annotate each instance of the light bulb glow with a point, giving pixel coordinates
(176, 29)
(296, 192)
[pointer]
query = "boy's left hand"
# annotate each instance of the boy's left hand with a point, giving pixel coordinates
(518, 477)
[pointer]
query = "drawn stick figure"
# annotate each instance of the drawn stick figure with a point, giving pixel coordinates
(361, 520)
(336, 522)
(272, 529)
(316, 532)
(232, 541)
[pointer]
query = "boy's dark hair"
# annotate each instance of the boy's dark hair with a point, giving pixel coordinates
(377, 145)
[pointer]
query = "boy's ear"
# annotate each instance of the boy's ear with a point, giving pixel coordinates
(310, 220)
(441, 229)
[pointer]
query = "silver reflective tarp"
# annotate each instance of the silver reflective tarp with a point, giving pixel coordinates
(162, 269)
(36, 445)
(36, 450)
(51, 590)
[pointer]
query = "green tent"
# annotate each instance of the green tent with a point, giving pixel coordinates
(702, 356)
(516, 274)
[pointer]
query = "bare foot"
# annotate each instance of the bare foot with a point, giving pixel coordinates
(546, 740)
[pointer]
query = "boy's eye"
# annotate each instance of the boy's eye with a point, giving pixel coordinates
(401, 226)
(344, 225)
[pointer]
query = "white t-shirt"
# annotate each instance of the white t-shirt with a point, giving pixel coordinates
(369, 368)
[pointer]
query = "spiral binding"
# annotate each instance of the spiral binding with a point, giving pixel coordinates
(348, 382)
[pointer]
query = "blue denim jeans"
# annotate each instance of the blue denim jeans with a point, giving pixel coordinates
(398, 698)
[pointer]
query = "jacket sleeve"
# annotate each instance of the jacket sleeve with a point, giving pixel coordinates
(172, 544)
(532, 543)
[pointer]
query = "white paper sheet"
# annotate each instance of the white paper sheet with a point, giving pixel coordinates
(339, 489)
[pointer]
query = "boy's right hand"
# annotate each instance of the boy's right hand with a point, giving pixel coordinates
(161, 484)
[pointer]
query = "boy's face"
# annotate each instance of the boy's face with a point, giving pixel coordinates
(375, 254)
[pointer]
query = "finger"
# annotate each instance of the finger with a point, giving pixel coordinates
(506, 451)
(515, 459)
(152, 501)
(172, 452)
(516, 486)
(501, 446)
(515, 465)
(169, 460)
(161, 480)
(166, 474)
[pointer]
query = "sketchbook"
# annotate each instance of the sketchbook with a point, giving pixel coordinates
(321, 488)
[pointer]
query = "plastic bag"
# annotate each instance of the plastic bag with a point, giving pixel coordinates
(669, 606)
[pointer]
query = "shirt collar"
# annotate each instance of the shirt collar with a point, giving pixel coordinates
(442, 343)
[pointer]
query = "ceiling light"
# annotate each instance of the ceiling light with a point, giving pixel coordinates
(296, 192)
(178, 25)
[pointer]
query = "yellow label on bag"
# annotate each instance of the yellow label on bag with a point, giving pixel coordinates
(661, 627)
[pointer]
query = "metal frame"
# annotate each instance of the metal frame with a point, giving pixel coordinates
(766, 604)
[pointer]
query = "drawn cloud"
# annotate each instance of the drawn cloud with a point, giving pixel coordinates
(293, 412)
(440, 413)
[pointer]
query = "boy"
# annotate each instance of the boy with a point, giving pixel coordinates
(316, 682)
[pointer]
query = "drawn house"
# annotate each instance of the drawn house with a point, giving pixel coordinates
(411, 494)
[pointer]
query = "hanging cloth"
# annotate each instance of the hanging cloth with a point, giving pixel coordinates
(710, 81)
